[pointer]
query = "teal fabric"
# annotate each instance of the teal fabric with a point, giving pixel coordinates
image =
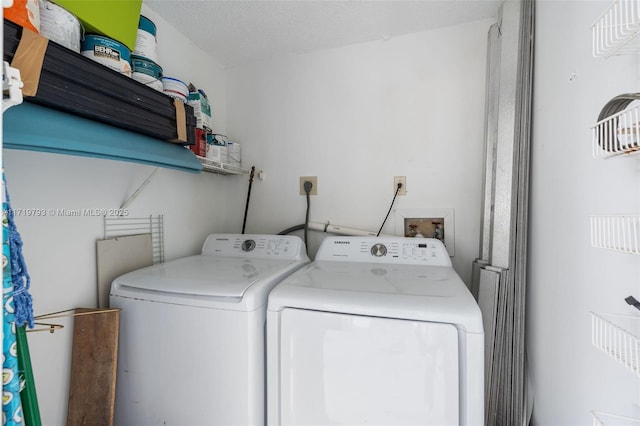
(11, 403)
(20, 278)
(32, 127)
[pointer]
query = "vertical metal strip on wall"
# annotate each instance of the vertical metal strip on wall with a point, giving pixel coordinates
(502, 267)
(524, 128)
(491, 136)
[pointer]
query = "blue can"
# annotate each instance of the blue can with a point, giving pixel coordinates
(108, 52)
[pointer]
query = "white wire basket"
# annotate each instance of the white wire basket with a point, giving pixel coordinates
(601, 418)
(220, 168)
(617, 336)
(617, 134)
(616, 232)
(615, 31)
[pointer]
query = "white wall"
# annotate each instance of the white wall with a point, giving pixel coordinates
(356, 117)
(60, 251)
(567, 277)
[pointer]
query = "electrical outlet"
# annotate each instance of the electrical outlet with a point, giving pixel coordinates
(403, 181)
(314, 183)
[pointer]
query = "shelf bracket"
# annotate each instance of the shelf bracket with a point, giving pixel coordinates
(12, 84)
(139, 190)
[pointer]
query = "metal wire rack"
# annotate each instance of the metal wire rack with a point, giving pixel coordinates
(221, 168)
(615, 31)
(601, 418)
(616, 232)
(617, 336)
(119, 226)
(617, 130)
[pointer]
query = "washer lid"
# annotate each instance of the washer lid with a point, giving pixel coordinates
(203, 276)
(424, 293)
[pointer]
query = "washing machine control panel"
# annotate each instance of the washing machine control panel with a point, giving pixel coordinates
(255, 246)
(398, 250)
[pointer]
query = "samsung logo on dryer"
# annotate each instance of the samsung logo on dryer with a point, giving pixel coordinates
(341, 242)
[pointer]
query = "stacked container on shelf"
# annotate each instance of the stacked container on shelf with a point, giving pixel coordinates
(197, 98)
(144, 60)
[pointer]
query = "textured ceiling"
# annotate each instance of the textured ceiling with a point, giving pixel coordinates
(240, 31)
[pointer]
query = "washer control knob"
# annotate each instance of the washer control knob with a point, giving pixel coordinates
(248, 245)
(379, 250)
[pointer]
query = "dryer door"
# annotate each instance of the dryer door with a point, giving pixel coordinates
(340, 369)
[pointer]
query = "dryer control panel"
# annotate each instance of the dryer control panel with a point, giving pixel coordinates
(398, 250)
(255, 246)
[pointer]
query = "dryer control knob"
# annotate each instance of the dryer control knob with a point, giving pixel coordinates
(379, 250)
(248, 245)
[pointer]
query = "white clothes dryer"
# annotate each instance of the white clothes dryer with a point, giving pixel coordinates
(375, 331)
(192, 333)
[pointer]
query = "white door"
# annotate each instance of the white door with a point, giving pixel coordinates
(339, 369)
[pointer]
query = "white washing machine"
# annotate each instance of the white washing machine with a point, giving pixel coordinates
(192, 330)
(375, 331)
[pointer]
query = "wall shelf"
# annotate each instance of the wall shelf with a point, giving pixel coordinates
(605, 419)
(615, 31)
(221, 168)
(33, 127)
(616, 232)
(62, 133)
(618, 336)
